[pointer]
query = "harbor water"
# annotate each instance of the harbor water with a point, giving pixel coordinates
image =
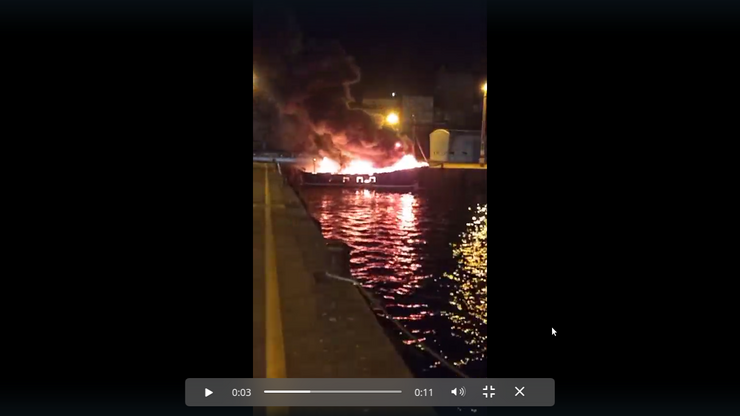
(423, 255)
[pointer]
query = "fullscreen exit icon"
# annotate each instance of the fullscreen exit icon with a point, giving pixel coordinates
(489, 392)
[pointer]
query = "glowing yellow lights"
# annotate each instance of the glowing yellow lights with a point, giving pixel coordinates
(392, 118)
(485, 87)
(470, 298)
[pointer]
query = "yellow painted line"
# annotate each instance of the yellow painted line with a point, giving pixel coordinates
(278, 411)
(275, 346)
(281, 206)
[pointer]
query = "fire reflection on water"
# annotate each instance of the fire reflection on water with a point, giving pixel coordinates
(401, 253)
(406, 216)
(382, 229)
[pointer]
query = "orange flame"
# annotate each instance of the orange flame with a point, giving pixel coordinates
(327, 165)
(364, 167)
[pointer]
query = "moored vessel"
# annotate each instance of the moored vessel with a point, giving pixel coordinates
(400, 179)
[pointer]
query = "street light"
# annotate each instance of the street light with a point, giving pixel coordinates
(392, 119)
(483, 126)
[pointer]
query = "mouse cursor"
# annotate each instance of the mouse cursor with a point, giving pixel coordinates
(554, 332)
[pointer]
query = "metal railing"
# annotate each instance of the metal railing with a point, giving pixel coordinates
(279, 157)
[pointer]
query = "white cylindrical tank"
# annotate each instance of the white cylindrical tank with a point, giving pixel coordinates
(439, 145)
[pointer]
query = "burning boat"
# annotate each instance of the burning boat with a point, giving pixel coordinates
(362, 174)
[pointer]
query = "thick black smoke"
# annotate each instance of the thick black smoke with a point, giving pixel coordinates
(310, 81)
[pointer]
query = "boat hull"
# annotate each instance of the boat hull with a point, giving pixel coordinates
(402, 179)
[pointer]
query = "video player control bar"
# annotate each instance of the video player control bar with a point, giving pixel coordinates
(358, 392)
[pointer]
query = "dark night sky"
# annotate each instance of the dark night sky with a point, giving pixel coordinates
(400, 45)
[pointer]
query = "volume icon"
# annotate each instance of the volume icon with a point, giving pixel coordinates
(461, 391)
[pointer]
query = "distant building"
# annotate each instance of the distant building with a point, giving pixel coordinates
(410, 109)
(458, 100)
(462, 146)
(417, 121)
(380, 103)
(417, 110)
(379, 107)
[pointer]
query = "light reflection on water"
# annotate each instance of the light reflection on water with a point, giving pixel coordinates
(470, 297)
(403, 253)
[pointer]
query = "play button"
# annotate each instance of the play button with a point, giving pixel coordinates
(208, 392)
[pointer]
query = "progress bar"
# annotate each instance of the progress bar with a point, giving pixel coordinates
(333, 391)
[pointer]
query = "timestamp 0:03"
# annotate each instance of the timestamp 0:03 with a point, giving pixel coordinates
(241, 392)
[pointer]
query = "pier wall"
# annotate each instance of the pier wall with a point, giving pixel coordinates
(327, 327)
(445, 179)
